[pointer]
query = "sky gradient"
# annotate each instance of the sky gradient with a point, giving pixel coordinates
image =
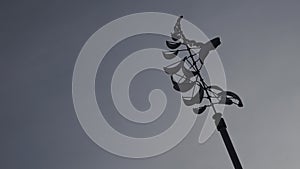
(40, 42)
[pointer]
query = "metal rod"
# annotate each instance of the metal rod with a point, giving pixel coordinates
(222, 128)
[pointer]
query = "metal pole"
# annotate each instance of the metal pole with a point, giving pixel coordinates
(222, 128)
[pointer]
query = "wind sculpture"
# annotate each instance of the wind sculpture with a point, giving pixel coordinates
(186, 76)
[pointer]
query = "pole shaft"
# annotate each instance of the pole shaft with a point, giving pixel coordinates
(222, 128)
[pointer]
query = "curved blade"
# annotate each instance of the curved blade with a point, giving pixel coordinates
(224, 94)
(225, 100)
(170, 55)
(173, 70)
(173, 45)
(187, 72)
(197, 99)
(199, 110)
(175, 36)
(184, 86)
(235, 96)
(215, 87)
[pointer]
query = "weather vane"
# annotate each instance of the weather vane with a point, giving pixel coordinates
(186, 77)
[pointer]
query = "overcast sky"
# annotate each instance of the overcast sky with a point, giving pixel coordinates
(40, 42)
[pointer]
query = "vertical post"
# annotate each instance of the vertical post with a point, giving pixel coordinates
(222, 128)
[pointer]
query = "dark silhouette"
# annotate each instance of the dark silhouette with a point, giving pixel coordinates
(186, 76)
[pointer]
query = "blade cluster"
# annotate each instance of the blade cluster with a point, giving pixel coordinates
(185, 73)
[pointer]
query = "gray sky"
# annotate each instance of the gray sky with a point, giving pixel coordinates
(40, 41)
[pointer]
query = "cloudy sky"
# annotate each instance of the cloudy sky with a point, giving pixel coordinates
(41, 40)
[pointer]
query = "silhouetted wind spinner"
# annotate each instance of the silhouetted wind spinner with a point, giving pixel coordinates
(185, 73)
(186, 77)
